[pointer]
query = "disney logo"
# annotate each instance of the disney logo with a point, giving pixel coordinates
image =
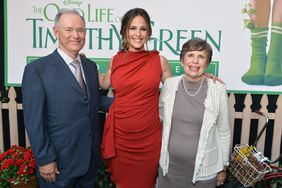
(72, 2)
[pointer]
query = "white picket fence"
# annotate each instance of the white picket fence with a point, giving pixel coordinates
(246, 115)
(12, 106)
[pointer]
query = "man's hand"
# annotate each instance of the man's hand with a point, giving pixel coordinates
(49, 171)
(211, 76)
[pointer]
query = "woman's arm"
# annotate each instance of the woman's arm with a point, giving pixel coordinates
(211, 76)
(161, 105)
(166, 71)
(105, 79)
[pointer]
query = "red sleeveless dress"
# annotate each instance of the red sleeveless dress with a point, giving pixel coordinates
(132, 133)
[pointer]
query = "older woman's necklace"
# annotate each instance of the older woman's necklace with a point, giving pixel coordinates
(194, 94)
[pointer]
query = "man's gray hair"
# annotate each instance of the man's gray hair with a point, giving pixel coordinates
(67, 11)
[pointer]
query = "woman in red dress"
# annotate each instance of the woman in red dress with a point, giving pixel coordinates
(132, 133)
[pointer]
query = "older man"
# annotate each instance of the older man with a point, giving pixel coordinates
(61, 102)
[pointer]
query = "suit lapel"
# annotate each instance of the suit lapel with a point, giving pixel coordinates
(88, 74)
(64, 71)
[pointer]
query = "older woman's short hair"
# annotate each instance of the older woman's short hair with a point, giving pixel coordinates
(196, 44)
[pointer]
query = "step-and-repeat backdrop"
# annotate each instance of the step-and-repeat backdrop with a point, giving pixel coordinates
(29, 34)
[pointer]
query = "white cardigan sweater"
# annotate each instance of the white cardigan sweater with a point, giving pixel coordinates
(214, 142)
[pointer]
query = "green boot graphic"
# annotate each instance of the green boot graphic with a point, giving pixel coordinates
(273, 72)
(255, 74)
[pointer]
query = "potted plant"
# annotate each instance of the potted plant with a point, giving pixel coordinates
(17, 167)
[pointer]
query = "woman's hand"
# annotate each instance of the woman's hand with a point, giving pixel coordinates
(220, 178)
(211, 76)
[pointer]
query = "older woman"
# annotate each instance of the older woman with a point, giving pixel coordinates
(196, 133)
